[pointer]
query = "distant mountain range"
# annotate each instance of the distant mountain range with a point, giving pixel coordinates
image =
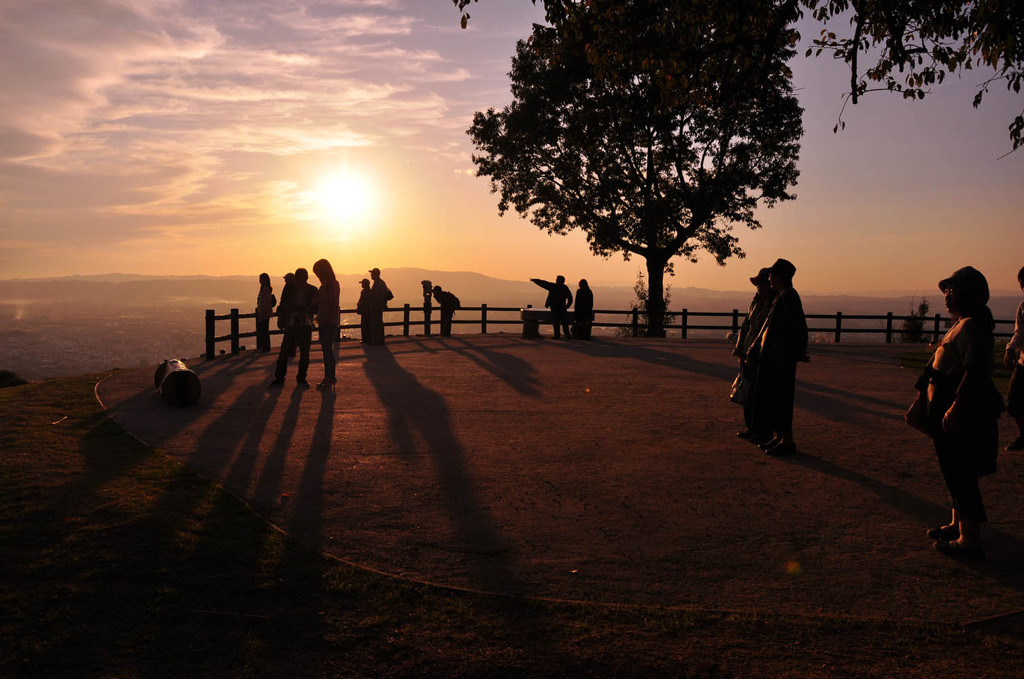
(225, 292)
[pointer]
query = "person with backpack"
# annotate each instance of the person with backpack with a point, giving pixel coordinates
(380, 295)
(299, 304)
(448, 303)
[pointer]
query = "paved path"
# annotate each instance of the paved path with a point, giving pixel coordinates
(604, 471)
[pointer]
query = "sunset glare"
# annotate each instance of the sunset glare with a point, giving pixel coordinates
(236, 137)
(347, 200)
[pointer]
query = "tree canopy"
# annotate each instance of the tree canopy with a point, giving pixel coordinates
(607, 147)
(904, 46)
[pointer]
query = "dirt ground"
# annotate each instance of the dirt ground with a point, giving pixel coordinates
(606, 471)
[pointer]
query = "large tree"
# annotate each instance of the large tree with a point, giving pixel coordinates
(641, 167)
(904, 46)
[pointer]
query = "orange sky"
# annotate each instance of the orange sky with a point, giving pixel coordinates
(193, 137)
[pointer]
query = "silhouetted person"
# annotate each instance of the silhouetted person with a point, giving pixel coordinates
(749, 331)
(1014, 358)
(380, 295)
(584, 310)
(781, 343)
(288, 278)
(328, 318)
(364, 307)
(298, 306)
(448, 303)
(558, 301)
(265, 303)
(963, 410)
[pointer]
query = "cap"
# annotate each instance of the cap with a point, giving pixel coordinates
(375, 270)
(762, 277)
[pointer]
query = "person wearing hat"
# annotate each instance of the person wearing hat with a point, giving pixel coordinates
(380, 295)
(779, 346)
(963, 408)
(1014, 358)
(364, 307)
(749, 330)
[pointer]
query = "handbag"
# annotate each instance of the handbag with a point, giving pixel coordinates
(917, 415)
(740, 391)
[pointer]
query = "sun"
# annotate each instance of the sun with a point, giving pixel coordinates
(346, 197)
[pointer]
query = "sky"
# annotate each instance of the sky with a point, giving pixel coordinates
(240, 136)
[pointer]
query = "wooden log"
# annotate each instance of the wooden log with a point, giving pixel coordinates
(176, 383)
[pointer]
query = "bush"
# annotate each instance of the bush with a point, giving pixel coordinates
(912, 328)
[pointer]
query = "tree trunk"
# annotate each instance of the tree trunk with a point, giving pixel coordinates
(655, 297)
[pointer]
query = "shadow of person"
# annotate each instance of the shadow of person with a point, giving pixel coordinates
(306, 521)
(1006, 552)
(268, 486)
(415, 412)
(518, 373)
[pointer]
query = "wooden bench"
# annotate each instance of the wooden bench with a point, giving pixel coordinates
(532, 318)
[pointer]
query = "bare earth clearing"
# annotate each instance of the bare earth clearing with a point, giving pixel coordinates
(605, 471)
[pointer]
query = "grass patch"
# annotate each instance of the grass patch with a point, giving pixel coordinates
(117, 562)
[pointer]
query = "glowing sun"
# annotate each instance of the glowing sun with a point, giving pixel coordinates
(346, 197)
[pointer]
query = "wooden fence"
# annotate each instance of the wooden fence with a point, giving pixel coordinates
(487, 317)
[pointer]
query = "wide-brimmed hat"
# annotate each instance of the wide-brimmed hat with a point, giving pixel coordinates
(784, 268)
(969, 282)
(762, 277)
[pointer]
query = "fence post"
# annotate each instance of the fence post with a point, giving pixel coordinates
(234, 331)
(683, 320)
(405, 320)
(211, 332)
(636, 323)
(888, 328)
(935, 334)
(426, 318)
(839, 326)
(483, 319)
(735, 321)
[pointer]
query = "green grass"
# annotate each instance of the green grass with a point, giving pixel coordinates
(117, 562)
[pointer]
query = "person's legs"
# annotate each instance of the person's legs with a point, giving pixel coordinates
(446, 321)
(327, 336)
(286, 352)
(962, 483)
(263, 334)
(304, 339)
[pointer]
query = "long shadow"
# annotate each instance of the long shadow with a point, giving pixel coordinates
(210, 454)
(514, 371)
(1006, 568)
(268, 485)
(646, 354)
(307, 514)
(244, 466)
(412, 408)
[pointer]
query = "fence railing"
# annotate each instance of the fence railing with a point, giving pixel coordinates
(485, 317)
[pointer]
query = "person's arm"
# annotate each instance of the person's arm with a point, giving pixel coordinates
(1016, 343)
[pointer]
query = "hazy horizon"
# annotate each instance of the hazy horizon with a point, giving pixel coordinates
(674, 282)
